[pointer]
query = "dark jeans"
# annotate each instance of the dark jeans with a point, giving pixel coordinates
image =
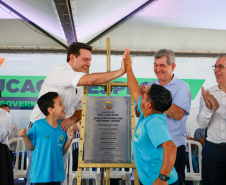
(6, 167)
(214, 164)
(75, 159)
(180, 164)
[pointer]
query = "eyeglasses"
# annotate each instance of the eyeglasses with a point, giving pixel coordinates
(220, 67)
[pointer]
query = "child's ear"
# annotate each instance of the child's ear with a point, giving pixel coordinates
(149, 105)
(50, 110)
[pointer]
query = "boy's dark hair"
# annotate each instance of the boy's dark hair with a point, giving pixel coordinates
(160, 98)
(46, 101)
(75, 47)
(4, 105)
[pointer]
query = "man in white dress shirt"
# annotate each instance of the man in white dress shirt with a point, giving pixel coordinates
(14, 132)
(6, 169)
(68, 81)
(212, 114)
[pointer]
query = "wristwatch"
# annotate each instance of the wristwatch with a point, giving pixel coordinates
(163, 177)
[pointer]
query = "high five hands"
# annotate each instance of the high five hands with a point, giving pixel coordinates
(210, 100)
(126, 58)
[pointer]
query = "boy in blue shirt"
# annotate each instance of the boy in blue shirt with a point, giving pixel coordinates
(153, 150)
(48, 141)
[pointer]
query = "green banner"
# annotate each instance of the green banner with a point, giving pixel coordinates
(21, 92)
(21, 86)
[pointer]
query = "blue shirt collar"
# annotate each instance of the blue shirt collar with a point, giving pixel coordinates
(173, 81)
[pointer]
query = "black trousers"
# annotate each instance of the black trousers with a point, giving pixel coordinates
(214, 164)
(180, 164)
(6, 168)
(75, 159)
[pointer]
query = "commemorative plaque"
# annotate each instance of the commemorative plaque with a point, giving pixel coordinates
(108, 130)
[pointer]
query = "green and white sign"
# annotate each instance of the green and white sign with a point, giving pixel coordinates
(21, 92)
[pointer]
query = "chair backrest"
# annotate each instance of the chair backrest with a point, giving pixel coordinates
(75, 143)
(192, 175)
(20, 147)
(121, 169)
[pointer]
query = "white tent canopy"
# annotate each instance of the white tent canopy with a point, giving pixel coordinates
(181, 25)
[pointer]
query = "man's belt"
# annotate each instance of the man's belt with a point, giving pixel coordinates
(222, 145)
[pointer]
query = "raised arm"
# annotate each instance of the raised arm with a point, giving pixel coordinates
(142, 89)
(131, 80)
(99, 78)
(137, 113)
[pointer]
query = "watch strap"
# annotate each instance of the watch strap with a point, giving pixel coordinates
(163, 177)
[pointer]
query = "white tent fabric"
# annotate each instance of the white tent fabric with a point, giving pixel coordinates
(181, 25)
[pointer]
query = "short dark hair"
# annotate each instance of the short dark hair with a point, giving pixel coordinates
(4, 105)
(75, 47)
(46, 101)
(160, 98)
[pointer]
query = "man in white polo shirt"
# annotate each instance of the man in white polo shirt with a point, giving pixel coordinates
(67, 80)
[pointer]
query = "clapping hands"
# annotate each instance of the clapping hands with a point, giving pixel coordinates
(210, 100)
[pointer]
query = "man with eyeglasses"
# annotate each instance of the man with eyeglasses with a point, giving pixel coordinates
(212, 114)
(68, 81)
(176, 115)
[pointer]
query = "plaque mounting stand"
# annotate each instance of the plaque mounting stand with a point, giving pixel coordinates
(81, 164)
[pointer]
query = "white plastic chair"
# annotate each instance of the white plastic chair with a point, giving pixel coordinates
(195, 177)
(19, 173)
(120, 173)
(87, 173)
